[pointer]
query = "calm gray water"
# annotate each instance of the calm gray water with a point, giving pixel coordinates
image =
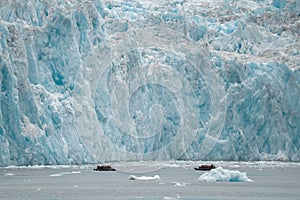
(177, 181)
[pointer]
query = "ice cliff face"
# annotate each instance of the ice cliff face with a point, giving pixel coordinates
(89, 81)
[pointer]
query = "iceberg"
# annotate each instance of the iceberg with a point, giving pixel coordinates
(224, 175)
(90, 81)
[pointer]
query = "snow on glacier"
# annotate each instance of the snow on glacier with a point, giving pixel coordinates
(94, 81)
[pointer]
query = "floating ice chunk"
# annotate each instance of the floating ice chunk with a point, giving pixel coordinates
(55, 175)
(180, 184)
(144, 178)
(76, 172)
(9, 174)
(173, 165)
(170, 198)
(224, 175)
(66, 173)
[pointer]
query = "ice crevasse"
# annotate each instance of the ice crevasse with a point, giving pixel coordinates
(94, 81)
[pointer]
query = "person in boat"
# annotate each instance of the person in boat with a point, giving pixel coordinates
(205, 167)
(104, 168)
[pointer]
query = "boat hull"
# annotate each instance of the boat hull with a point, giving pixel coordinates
(203, 169)
(104, 170)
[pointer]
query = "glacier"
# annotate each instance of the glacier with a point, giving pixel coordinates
(96, 81)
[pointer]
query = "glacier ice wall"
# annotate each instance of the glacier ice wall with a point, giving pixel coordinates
(91, 81)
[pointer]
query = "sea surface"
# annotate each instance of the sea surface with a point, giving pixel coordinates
(177, 180)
